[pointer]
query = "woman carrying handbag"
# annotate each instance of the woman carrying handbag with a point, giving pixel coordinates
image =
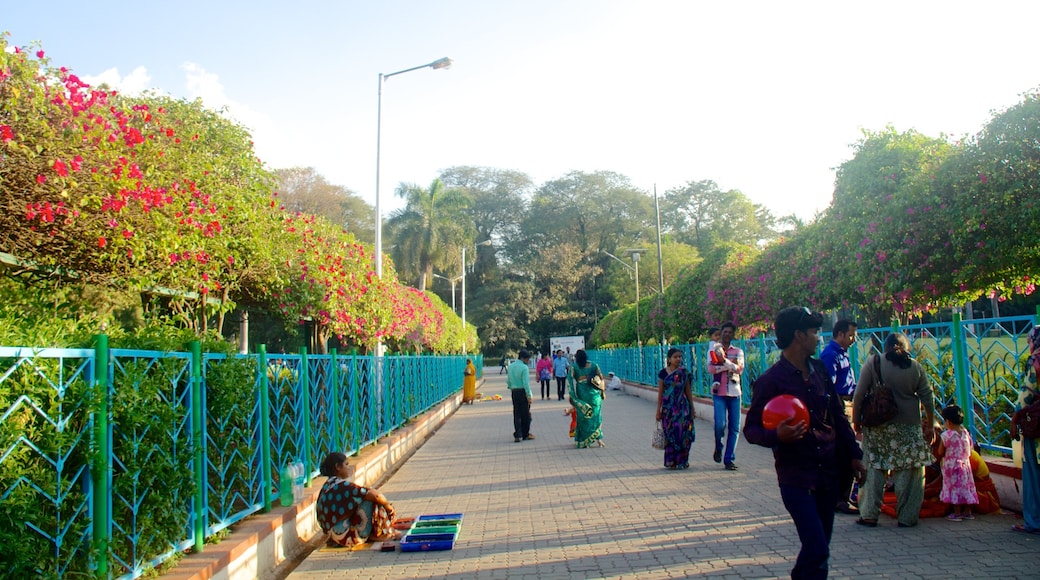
(901, 444)
(675, 411)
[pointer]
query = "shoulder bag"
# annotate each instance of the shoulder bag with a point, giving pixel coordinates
(879, 404)
(1026, 422)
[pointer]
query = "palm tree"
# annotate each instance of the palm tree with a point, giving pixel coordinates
(428, 230)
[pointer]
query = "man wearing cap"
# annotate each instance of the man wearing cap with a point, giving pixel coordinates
(835, 357)
(613, 383)
(518, 379)
(808, 457)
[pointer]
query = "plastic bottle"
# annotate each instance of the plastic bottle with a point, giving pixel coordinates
(285, 486)
(297, 481)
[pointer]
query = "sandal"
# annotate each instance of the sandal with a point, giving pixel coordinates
(1022, 528)
(868, 523)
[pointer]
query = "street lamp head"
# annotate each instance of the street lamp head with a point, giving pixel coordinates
(441, 63)
(634, 253)
(484, 243)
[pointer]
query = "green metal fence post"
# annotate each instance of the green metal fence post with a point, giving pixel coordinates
(335, 416)
(100, 474)
(960, 372)
(198, 443)
(265, 426)
(305, 403)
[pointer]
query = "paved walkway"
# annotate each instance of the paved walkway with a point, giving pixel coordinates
(543, 509)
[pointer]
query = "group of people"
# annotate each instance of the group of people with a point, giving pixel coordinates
(585, 385)
(555, 368)
(817, 462)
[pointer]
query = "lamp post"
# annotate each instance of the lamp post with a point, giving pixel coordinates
(451, 281)
(435, 65)
(634, 254)
(463, 276)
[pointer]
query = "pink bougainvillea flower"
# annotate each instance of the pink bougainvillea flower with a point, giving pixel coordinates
(59, 168)
(6, 134)
(76, 163)
(40, 179)
(983, 177)
(101, 242)
(39, 54)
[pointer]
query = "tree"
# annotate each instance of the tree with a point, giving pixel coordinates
(428, 231)
(703, 215)
(302, 189)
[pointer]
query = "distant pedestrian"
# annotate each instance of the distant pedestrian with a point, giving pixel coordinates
(726, 396)
(561, 368)
(958, 482)
(544, 369)
(675, 411)
(519, 382)
(808, 457)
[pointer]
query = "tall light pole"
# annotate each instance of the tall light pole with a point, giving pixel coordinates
(436, 65)
(463, 275)
(635, 254)
(451, 281)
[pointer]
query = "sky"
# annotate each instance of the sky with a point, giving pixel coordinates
(764, 97)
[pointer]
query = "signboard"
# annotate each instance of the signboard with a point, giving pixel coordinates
(573, 343)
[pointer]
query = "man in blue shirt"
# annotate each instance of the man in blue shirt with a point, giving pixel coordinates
(560, 367)
(836, 358)
(518, 379)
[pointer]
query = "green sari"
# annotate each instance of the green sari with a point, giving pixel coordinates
(588, 403)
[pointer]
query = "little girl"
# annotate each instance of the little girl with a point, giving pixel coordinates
(958, 487)
(569, 411)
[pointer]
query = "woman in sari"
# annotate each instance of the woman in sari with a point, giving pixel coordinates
(349, 513)
(675, 411)
(469, 382)
(587, 400)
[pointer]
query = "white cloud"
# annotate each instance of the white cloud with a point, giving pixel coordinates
(132, 84)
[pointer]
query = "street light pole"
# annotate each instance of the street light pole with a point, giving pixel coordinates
(635, 254)
(463, 275)
(451, 281)
(436, 65)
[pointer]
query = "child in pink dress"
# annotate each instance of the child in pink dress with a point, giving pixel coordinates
(958, 487)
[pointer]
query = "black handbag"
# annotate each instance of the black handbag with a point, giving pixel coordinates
(879, 404)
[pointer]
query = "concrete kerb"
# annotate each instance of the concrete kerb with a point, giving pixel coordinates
(267, 546)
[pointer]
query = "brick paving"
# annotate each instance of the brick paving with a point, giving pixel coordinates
(542, 509)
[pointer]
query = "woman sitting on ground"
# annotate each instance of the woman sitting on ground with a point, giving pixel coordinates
(349, 513)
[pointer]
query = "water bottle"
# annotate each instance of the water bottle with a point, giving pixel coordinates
(297, 488)
(285, 486)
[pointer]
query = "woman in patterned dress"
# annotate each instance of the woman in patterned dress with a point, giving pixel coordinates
(675, 410)
(349, 513)
(901, 446)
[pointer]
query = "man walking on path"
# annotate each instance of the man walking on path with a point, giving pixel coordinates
(835, 357)
(560, 368)
(808, 456)
(726, 396)
(518, 379)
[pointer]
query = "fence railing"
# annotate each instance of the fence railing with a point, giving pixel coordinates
(113, 460)
(973, 363)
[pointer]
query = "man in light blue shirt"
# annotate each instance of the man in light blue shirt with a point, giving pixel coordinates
(518, 379)
(560, 367)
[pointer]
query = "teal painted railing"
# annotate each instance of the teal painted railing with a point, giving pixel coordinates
(973, 363)
(100, 448)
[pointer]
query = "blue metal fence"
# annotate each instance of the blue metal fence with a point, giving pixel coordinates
(973, 363)
(99, 463)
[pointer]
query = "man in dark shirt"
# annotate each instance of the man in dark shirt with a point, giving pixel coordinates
(808, 457)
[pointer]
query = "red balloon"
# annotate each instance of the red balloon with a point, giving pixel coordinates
(782, 407)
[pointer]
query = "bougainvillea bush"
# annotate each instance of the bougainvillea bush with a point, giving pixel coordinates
(165, 197)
